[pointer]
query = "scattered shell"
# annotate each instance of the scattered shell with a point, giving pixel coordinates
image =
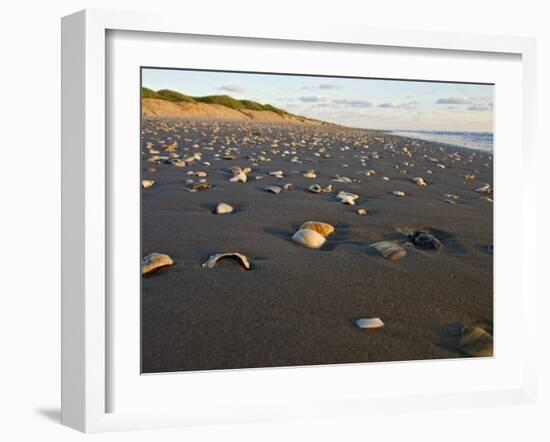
(273, 189)
(347, 198)
(146, 184)
(419, 181)
(398, 193)
(369, 323)
(315, 188)
(211, 262)
(469, 177)
(309, 238)
(361, 212)
(425, 240)
(288, 186)
(154, 261)
(486, 189)
(390, 250)
(199, 187)
(223, 208)
(476, 341)
(239, 177)
(385, 178)
(201, 174)
(277, 174)
(310, 174)
(320, 227)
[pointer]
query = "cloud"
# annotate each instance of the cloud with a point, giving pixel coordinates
(313, 99)
(354, 103)
(454, 100)
(232, 88)
(390, 105)
(481, 106)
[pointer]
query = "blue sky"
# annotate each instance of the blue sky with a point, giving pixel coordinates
(365, 103)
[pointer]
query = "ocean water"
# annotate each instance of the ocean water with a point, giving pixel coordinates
(472, 140)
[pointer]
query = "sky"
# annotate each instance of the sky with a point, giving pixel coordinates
(355, 102)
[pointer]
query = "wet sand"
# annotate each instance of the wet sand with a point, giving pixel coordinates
(298, 306)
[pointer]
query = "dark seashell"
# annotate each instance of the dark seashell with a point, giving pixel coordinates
(425, 240)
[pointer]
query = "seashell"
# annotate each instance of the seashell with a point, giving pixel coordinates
(310, 174)
(347, 197)
(361, 212)
(315, 188)
(486, 189)
(342, 179)
(273, 189)
(419, 181)
(390, 250)
(154, 261)
(199, 187)
(239, 178)
(385, 178)
(425, 240)
(146, 184)
(179, 163)
(277, 174)
(469, 177)
(476, 341)
(223, 208)
(288, 186)
(450, 201)
(247, 170)
(320, 227)
(236, 170)
(309, 238)
(369, 323)
(201, 174)
(398, 193)
(151, 170)
(211, 262)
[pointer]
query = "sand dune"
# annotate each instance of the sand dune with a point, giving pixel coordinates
(151, 107)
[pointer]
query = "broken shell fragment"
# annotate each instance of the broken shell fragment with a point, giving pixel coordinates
(315, 188)
(211, 262)
(318, 226)
(288, 186)
(239, 177)
(369, 323)
(390, 250)
(347, 197)
(398, 193)
(309, 238)
(154, 261)
(310, 174)
(425, 240)
(146, 184)
(223, 208)
(476, 341)
(361, 212)
(273, 189)
(419, 181)
(199, 187)
(486, 189)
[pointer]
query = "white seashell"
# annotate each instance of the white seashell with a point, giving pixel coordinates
(309, 238)
(239, 178)
(315, 188)
(223, 208)
(390, 250)
(486, 188)
(189, 181)
(369, 323)
(341, 179)
(347, 198)
(385, 178)
(310, 174)
(211, 262)
(419, 181)
(288, 186)
(277, 174)
(361, 212)
(398, 193)
(201, 174)
(146, 184)
(154, 261)
(247, 170)
(273, 189)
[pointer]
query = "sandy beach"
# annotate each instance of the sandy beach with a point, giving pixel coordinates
(298, 306)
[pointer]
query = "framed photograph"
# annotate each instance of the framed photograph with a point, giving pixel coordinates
(270, 223)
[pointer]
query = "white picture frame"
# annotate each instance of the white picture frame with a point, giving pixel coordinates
(85, 201)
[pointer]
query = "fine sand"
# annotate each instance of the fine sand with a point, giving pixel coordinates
(298, 306)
